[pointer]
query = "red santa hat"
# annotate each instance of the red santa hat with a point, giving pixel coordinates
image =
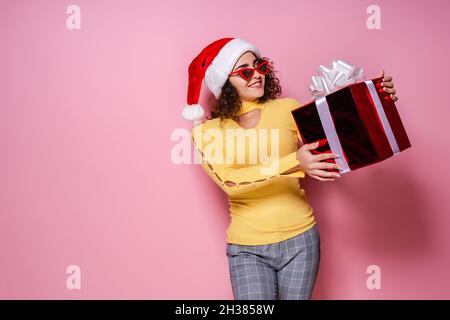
(213, 65)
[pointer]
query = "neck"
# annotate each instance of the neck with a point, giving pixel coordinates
(248, 106)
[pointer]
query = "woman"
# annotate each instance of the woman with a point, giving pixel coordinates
(273, 244)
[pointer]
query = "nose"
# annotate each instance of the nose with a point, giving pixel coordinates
(257, 76)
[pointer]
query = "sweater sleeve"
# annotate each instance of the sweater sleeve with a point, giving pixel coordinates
(293, 104)
(235, 181)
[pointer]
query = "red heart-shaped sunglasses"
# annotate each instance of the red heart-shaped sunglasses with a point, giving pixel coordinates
(247, 73)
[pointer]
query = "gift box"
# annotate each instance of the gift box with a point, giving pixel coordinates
(358, 121)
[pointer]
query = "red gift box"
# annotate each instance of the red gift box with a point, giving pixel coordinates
(359, 122)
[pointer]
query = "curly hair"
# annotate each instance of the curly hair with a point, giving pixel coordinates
(228, 103)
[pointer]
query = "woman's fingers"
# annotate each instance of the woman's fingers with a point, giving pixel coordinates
(320, 178)
(324, 173)
(319, 164)
(325, 165)
(311, 146)
(390, 90)
(388, 84)
(324, 156)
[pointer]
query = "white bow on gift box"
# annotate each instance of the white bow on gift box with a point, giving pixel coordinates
(338, 76)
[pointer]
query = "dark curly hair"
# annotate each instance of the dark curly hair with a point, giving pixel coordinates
(228, 104)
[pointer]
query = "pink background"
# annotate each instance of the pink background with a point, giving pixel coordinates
(86, 175)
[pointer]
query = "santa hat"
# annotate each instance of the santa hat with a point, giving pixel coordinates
(213, 65)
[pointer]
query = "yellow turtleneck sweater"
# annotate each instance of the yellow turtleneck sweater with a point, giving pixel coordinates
(266, 206)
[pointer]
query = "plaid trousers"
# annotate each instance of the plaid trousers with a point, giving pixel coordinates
(283, 270)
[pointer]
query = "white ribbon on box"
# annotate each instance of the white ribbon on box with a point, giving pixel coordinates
(338, 76)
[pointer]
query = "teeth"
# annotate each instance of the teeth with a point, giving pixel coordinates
(256, 84)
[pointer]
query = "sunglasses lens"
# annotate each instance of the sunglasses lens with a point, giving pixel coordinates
(263, 68)
(247, 73)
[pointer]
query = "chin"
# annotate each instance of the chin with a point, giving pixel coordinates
(255, 94)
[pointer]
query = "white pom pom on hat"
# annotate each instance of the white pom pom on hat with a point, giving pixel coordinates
(213, 65)
(193, 112)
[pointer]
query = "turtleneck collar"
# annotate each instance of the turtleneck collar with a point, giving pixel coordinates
(248, 106)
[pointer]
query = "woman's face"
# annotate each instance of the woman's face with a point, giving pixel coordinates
(251, 90)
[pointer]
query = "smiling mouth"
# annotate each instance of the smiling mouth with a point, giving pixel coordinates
(257, 84)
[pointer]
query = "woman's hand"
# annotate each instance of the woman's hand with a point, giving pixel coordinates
(388, 85)
(312, 164)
